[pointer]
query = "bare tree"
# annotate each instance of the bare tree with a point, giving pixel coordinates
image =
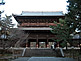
(5, 24)
(18, 36)
(11, 36)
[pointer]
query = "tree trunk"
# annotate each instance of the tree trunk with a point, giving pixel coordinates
(3, 44)
(17, 43)
(66, 45)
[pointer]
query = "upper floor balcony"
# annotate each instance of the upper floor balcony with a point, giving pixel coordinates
(36, 24)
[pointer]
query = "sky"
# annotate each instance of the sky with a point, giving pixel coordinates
(17, 6)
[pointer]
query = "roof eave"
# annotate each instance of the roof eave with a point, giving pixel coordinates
(39, 15)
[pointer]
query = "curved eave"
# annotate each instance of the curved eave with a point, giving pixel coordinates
(31, 28)
(35, 15)
(17, 16)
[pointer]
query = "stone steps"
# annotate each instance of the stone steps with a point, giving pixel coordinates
(39, 52)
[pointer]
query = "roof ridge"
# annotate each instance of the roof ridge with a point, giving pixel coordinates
(41, 11)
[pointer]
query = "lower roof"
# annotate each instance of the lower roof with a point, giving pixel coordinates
(35, 28)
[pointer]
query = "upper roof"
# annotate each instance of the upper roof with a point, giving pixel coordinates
(32, 13)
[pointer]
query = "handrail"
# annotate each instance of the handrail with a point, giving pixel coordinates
(23, 51)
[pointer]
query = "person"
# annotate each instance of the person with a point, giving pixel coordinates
(55, 44)
(51, 47)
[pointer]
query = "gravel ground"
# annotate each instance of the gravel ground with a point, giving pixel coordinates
(43, 59)
(21, 59)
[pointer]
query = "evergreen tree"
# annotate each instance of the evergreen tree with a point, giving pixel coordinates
(5, 24)
(73, 17)
(0, 12)
(61, 31)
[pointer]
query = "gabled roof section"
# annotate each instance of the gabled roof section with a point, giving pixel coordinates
(32, 13)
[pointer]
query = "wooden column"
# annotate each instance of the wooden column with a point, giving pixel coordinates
(26, 43)
(47, 42)
(37, 44)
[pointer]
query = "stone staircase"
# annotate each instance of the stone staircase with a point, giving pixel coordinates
(39, 52)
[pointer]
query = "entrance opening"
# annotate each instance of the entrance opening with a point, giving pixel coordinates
(51, 42)
(42, 43)
(32, 43)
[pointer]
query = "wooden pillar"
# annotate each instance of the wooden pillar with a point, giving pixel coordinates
(26, 43)
(58, 45)
(37, 44)
(29, 43)
(47, 42)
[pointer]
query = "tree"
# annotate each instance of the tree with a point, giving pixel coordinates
(2, 2)
(61, 31)
(1, 13)
(9, 34)
(17, 36)
(5, 24)
(73, 17)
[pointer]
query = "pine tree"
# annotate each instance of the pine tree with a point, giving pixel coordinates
(61, 31)
(73, 17)
(5, 24)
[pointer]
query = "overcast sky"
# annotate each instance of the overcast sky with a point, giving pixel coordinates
(17, 6)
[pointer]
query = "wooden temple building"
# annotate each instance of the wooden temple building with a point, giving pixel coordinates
(37, 25)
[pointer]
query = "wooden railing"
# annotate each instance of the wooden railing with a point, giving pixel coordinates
(37, 24)
(42, 36)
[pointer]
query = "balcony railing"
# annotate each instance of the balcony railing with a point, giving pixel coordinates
(37, 24)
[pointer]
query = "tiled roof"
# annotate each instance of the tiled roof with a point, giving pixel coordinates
(28, 13)
(35, 28)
